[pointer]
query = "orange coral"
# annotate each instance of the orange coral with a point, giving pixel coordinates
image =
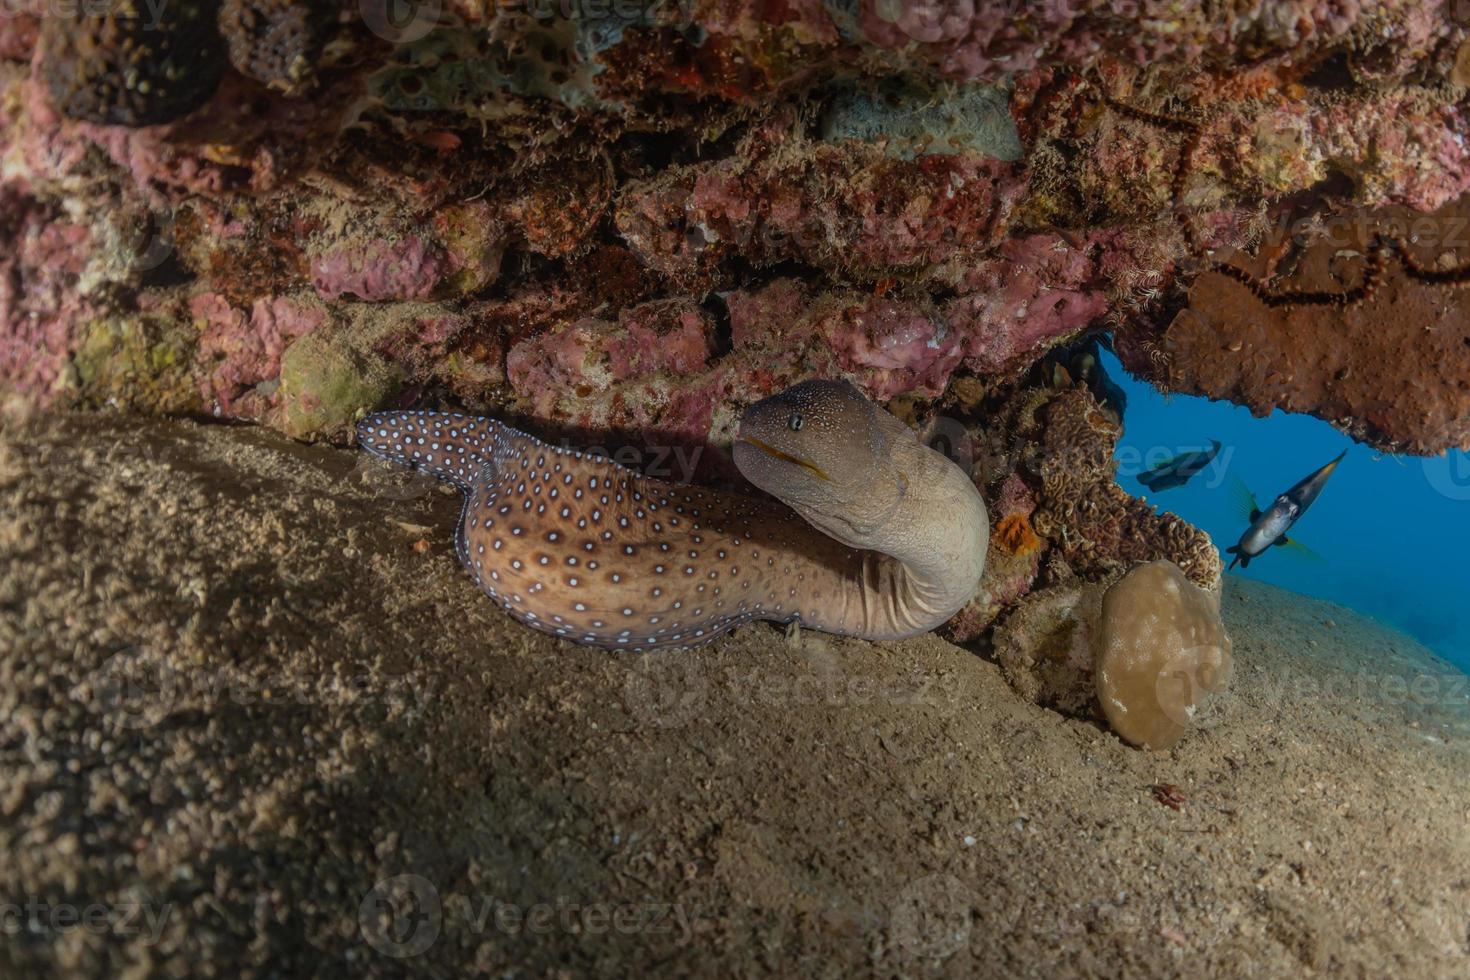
(1014, 536)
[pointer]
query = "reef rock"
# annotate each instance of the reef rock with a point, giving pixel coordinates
(1145, 650)
(1391, 368)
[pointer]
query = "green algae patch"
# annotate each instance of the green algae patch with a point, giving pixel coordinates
(143, 363)
(325, 385)
(476, 244)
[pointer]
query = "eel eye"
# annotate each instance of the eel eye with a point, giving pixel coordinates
(794, 423)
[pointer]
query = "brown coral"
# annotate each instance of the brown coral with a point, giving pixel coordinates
(133, 65)
(1372, 344)
(1092, 522)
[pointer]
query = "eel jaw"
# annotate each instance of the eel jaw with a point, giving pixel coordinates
(786, 457)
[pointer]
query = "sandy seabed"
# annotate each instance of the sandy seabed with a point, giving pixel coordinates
(255, 721)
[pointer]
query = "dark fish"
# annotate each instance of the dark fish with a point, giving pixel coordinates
(1269, 527)
(1178, 471)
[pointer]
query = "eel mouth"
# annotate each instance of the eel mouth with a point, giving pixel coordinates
(786, 457)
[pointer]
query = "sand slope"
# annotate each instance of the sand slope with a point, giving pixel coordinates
(246, 691)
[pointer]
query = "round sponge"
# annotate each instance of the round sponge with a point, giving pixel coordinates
(277, 42)
(1161, 653)
(136, 64)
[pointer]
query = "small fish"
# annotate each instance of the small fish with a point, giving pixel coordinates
(1269, 527)
(1178, 471)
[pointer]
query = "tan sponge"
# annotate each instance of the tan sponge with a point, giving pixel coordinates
(1162, 653)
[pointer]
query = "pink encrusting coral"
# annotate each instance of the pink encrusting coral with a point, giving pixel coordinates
(41, 304)
(667, 338)
(651, 222)
(237, 352)
(454, 251)
(410, 268)
(1039, 290)
(596, 374)
(845, 208)
(56, 150)
(886, 346)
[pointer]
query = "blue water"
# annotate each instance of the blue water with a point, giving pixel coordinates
(1390, 535)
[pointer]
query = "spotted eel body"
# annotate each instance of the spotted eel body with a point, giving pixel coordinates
(580, 547)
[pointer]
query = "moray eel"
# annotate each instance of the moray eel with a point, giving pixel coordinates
(876, 536)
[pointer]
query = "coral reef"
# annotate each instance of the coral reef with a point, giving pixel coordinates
(1162, 653)
(629, 223)
(1096, 526)
(908, 168)
(849, 209)
(1041, 450)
